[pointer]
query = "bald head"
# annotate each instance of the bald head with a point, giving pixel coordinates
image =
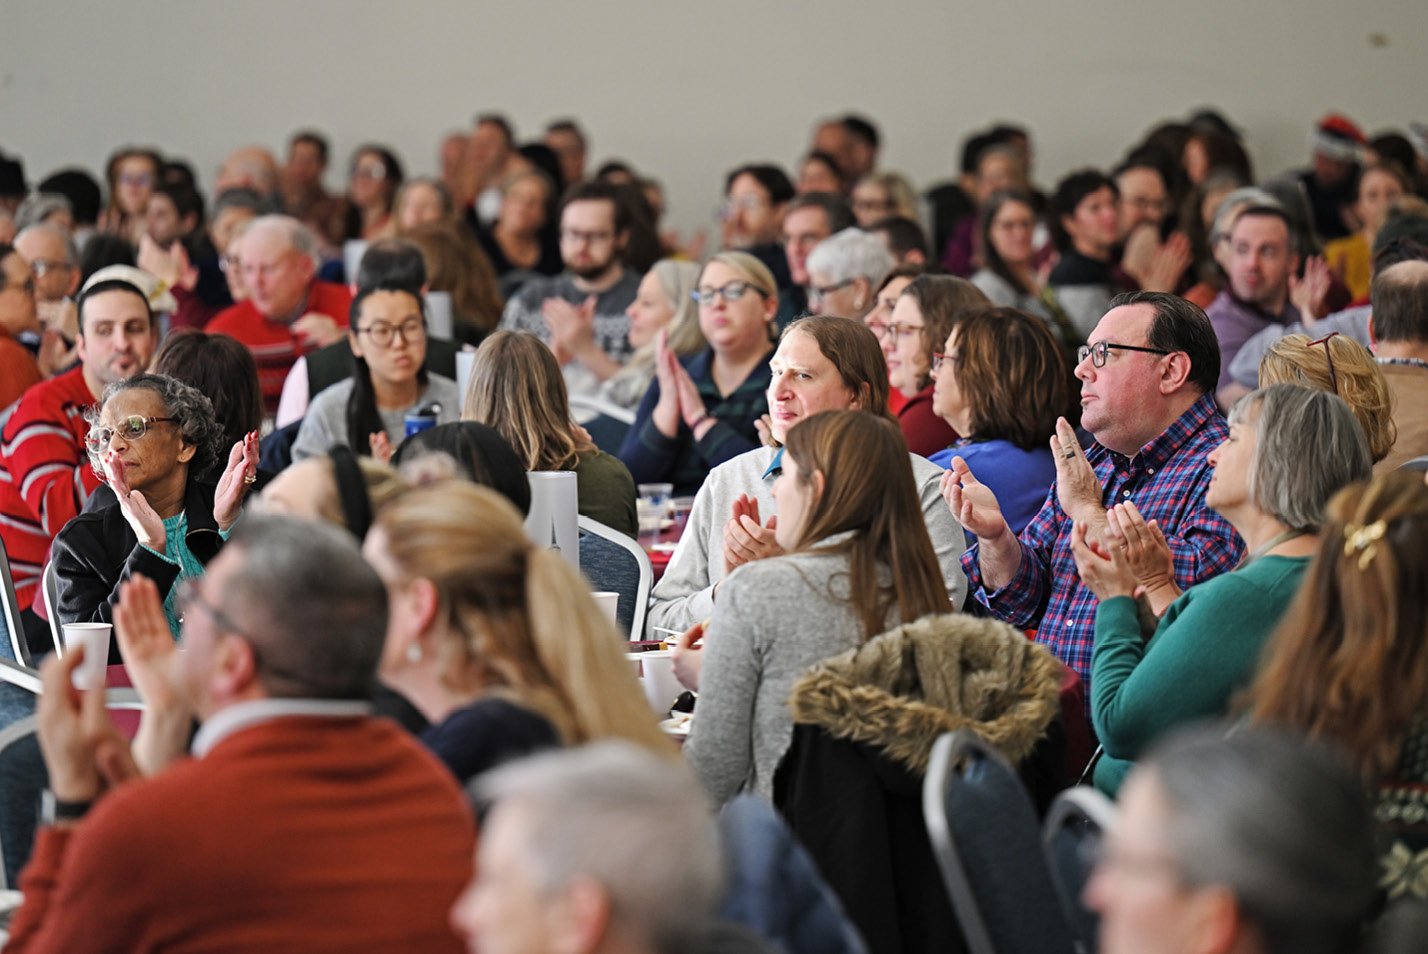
(279, 263)
(251, 167)
(1399, 296)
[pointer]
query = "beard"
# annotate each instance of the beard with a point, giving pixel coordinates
(593, 270)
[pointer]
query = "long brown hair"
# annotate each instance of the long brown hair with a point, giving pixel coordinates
(524, 623)
(1013, 374)
(868, 488)
(516, 387)
(1349, 661)
(456, 264)
(941, 298)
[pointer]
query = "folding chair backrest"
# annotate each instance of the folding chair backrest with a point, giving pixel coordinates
(50, 587)
(15, 648)
(1071, 835)
(615, 563)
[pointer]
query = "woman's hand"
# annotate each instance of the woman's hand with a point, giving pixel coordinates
(147, 525)
(745, 539)
(667, 413)
(687, 659)
(380, 447)
(691, 402)
(238, 476)
(1103, 571)
(1308, 293)
(1146, 553)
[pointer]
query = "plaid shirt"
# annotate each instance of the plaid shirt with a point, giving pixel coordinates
(1166, 481)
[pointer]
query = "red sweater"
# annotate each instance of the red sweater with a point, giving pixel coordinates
(275, 348)
(303, 834)
(18, 371)
(924, 431)
(44, 473)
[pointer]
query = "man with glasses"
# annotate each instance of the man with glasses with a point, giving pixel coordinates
(580, 313)
(288, 312)
(811, 218)
(296, 822)
(54, 258)
(1147, 397)
(18, 370)
(751, 217)
(44, 468)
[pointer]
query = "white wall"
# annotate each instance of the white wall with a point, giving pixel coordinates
(685, 91)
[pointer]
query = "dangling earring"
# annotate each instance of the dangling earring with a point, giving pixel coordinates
(414, 653)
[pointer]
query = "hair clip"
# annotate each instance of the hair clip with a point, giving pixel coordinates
(1363, 540)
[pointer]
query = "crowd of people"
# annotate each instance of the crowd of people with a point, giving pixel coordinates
(1079, 469)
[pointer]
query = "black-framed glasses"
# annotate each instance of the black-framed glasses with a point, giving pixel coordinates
(898, 330)
(132, 428)
(1098, 351)
(823, 291)
(733, 291)
(1328, 356)
(383, 334)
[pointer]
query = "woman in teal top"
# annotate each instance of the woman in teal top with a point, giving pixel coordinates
(1289, 450)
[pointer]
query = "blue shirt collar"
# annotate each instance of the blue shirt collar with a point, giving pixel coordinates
(775, 465)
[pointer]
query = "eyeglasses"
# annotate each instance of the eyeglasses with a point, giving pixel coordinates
(730, 292)
(898, 330)
(1098, 351)
(130, 429)
(577, 237)
(383, 334)
(136, 178)
(1328, 356)
(823, 291)
(728, 207)
(44, 266)
(188, 596)
(939, 359)
(230, 263)
(375, 173)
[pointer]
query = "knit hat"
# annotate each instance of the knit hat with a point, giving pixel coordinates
(1336, 137)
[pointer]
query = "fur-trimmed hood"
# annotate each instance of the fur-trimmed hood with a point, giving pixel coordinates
(903, 689)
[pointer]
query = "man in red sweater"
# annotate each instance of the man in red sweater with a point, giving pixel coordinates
(44, 472)
(288, 312)
(300, 823)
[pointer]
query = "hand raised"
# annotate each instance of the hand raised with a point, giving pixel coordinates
(689, 660)
(745, 539)
(238, 476)
(972, 502)
(1078, 489)
(147, 525)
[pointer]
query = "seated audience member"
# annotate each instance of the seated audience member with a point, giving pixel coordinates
(878, 318)
(1149, 262)
(1400, 331)
(1341, 366)
(1147, 384)
(1253, 843)
(520, 243)
(421, 201)
(665, 302)
(494, 640)
(999, 167)
(132, 173)
(351, 833)
(856, 560)
(811, 217)
(1002, 383)
(819, 172)
(1347, 664)
(878, 195)
(288, 312)
(456, 265)
(1329, 183)
(905, 240)
(844, 271)
(1084, 217)
(755, 199)
(209, 280)
(1009, 276)
(580, 313)
(304, 196)
(1290, 449)
(18, 369)
(1351, 257)
(174, 214)
(822, 364)
(700, 412)
(568, 141)
(475, 452)
(861, 144)
(373, 179)
(54, 259)
(1198, 216)
(85, 198)
(222, 370)
(606, 845)
(153, 439)
(921, 320)
(491, 159)
(45, 208)
(1209, 150)
(389, 378)
(517, 389)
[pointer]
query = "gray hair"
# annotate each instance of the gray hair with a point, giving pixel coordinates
(313, 610)
(1308, 446)
(38, 207)
(238, 197)
(1233, 204)
(302, 238)
(852, 253)
(1282, 824)
(71, 249)
(614, 812)
(192, 412)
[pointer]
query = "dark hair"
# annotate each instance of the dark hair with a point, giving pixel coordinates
(390, 264)
(770, 178)
(1222, 152)
(861, 128)
(941, 298)
(1013, 374)
(178, 172)
(1069, 194)
(597, 191)
(904, 235)
(611, 168)
(109, 285)
(501, 123)
(1395, 146)
(1261, 210)
(363, 418)
(222, 368)
(312, 138)
(239, 197)
(991, 258)
(569, 126)
(835, 209)
(542, 157)
(82, 191)
(1400, 305)
(972, 148)
(910, 270)
(186, 202)
(1402, 237)
(1154, 158)
(480, 453)
(828, 160)
(1180, 325)
(103, 249)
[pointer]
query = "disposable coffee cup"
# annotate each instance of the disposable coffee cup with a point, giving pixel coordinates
(94, 637)
(608, 603)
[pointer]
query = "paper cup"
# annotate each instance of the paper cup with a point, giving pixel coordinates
(656, 671)
(608, 603)
(94, 637)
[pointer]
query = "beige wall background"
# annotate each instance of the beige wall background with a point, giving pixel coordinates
(685, 91)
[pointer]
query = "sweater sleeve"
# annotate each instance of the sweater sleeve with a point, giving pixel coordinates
(720, 746)
(323, 427)
(648, 454)
(684, 595)
(87, 589)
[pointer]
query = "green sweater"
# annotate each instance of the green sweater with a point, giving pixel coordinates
(1205, 648)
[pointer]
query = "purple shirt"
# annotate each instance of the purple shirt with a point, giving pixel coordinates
(1166, 481)
(1236, 322)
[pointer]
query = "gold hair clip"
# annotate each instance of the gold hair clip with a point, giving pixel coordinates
(1363, 540)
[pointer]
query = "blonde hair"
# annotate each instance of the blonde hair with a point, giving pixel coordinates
(523, 624)
(382, 481)
(516, 387)
(677, 279)
(1342, 366)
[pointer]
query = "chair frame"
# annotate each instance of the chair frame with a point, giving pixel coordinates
(49, 586)
(1078, 802)
(642, 590)
(9, 735)
(948, 752)
(598, 405)
(12, 612)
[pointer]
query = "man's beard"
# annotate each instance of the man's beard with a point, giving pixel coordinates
(593, 271)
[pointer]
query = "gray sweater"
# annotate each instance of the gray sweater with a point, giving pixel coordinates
(325, 425)
(685, 594)
(776, 618)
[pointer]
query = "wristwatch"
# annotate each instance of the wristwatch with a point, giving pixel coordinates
(56, 810)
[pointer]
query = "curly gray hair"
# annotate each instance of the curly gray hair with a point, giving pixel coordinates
(189, 407)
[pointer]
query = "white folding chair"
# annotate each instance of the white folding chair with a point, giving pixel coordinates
(18, 646)
(641, 595)
(50, 587)
(596, 405)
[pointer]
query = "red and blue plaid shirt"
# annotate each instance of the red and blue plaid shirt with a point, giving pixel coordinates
(1166, 481)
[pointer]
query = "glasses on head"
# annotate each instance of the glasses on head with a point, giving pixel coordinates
(383, 334)
(1329, 357)
(578, 237)
(823, 291)
(43, 266)
(939, 359)
(188, 596)
(131, 428)
(898, 330)
(733, 291)
(1098, 351)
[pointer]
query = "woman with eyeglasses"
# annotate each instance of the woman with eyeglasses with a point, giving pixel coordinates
(701, 411)
(843, 272)
(150, 438)
(1006, 244)
(920, 323)
(133, 174)
(372, 185)
(367, 411)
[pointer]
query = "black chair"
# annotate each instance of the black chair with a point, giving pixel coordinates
(1071, 835)
(986, 838)
(614, 563)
